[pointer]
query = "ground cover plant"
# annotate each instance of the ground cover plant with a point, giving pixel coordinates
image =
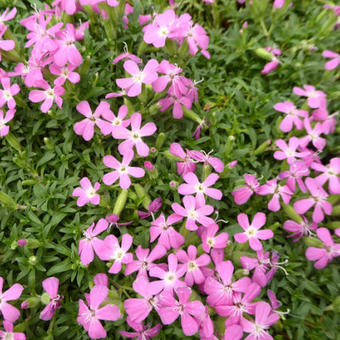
(169, 169)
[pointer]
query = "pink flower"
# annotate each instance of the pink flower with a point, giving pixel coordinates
(134, 136)
(153, 206)
(210, 240)
(117, 122)
(69, 6)
(64, 73)
(86, 192)
(313, 136)
(192, 265)
(122, 170)
(188, 164)
(111, 250)
(271, 187)
(194, 186)
(220, 289)
(251, 231)
(197, 38)
(315, 98)
(264, 318)
(85, 127)
(292, 117)
(89, 317)
(4, 129)
(243, 194)
(288, 151)
(133, 86)
(51, 285)
(296, 172)
(168, 236)
(9, 312)
(139, 309)
(127, 56)
(194, 212)
(142, 332)
(324, 255)
(273, 64)
(318, 199)
(5, 16)
(170, 278)
(5, 45)
(10, 334)
(335, 59)
(170, 309)
(329, 173)
(6, 95)
(48, 96)
(91, 242)
(299, 229)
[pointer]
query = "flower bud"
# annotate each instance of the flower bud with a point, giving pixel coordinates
(33, 260)
(312, 242)
(264, 54)
(120, 202)
(160, 140)
(232, 164)
(173, 185)
(22, 242)
(149, 166)
(45, 298)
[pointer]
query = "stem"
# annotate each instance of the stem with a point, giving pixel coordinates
(264, 28)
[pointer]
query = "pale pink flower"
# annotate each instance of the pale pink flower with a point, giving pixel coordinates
(233, 332)
(89, 317)
(314, 96)
(4, 129)
(288, 152)
(134, 136)
(68, 6)
(243, 194)
(9, 332)
(211, 240)
(299, 229)
(292, 117)
(6, 95)
(194, 212)
(101, 279)
(170, 309)
(187, 164)
(85, 127)
(122, 170)
(324, 255)
(5, 16)
(193, 186)
(117, 121)
(86, 192)
(5, 45)
(197, 38)
(133, 85)
(313, 136)
(111, 250)
(64, 73)
(9, 312)
(251, 231)
(335, 59)
(141, 332)
(51, 286)
(318, 200)
(127, 56)
(294, 175)
(91, 243)
(329, 173)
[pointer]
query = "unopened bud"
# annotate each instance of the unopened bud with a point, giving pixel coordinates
(33, 260)
(148, 166)
(45, 298)
(22, 242)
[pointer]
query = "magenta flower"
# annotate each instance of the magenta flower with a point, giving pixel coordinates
(139, 309)
(51, 285)
(133, 85)
(170, 278)
(142, 332)
(122, 170)
(192, 265)
(210, 240)
(117, 122)
(299, 229)
(68, 6)
(335, 59)
(64, 73)
(251, 231)
(85, 127)
(324, 255)
(91, 243)
(194, 186)
(315, 97)
(274, 63)
(197, 38)
(89, 317)
(264, 318)
(168, 236)
(127, 56)
(134, 136)
(288, 151)
(294, 175)
(233, 332)
(9, 332)
(6, 95)
(86, 192)
(292, 117)
(145, 260)
(111, 250)
(329, 173)
(9, 312)
(188, 164)
(170, 309)
(220, 290)
(243, 194)
(5, 16)
(313, 136)
(271, 187)
(4, 129)
(194, 212)
(318, 200)
(153, 207)
(47, 96)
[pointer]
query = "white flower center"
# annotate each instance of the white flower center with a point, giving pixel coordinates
(123, 169)
(259, 330)
(290, 153)
(117, 122)
(170, 278)
(8, 336)
(135, 136)
(251, 231)
(7, 95)
(90, 193)
(50, 93)
(139, 77)
(199, 188)
(211, 241)
(119, 254)
(192, 265)
(193, 214)
(163, 31)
